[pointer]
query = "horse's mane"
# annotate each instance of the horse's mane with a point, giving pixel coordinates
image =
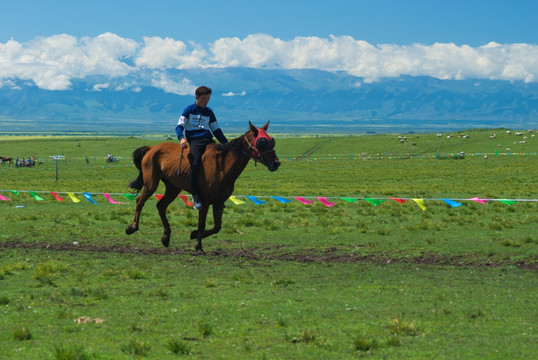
(232, 145)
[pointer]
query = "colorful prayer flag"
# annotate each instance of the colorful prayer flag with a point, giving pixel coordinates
(236, 201)
(184, 198)
(401, 201)
(452, 203)
(255, 200)
(374, 202)
(55, 195)
(303, 200)
(72, 197)
(110, 200)
(478, 200)
(324, 201)
(507, 202)
(88, 196)
(35, 196)
(420, 203)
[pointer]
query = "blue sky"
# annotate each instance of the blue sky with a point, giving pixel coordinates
(401, 22)
(50, 43)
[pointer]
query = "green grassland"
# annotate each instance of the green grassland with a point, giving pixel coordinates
(280, 281)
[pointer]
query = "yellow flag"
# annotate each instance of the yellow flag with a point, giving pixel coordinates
(236, 201)
(420, 203)
(72, 196)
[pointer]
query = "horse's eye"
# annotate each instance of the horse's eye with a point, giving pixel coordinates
(262, 144)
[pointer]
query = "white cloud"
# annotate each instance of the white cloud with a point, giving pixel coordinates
(159, 53)
(163, 81)
(99, 87)
(53, 62)
(230, 93)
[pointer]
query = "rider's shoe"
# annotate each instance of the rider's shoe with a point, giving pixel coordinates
(197, 203)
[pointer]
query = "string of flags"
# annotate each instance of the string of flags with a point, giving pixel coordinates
(76, 197)
(350, 156)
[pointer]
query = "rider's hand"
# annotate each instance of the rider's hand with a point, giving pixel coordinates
(183, 143)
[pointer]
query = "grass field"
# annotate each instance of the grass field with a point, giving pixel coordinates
(280, 281)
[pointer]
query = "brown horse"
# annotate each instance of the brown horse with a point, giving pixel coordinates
(222, 165)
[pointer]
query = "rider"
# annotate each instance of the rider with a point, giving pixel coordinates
(199, 124)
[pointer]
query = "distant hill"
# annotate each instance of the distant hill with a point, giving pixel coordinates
(300, 101)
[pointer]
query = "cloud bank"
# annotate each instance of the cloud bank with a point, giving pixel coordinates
(52, 62)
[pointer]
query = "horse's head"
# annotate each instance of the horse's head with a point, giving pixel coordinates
(262, 146)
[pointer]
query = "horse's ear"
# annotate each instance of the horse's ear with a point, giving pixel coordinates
(253, 129)
(264, 127)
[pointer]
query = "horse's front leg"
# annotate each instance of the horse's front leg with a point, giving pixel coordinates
(202, 216)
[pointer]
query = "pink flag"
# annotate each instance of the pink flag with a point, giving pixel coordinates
(3, 198)
(184, 198)
(478, 200)
(110, 200)
(325, 202)
(303, 200)
(55, 194)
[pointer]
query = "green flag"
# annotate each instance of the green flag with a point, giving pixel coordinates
(130, 196)
(351, 200)
(374, 202)
(37, 197)
(508, 202)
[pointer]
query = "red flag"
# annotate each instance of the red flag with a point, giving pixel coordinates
(55, 194)
(184, 198)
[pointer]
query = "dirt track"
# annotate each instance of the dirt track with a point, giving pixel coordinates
(329, 255)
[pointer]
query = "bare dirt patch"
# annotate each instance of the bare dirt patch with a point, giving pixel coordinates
(330, 255)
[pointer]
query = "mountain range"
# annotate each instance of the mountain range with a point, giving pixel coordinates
(295, 101)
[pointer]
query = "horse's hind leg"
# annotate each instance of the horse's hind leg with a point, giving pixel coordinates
(170, 195)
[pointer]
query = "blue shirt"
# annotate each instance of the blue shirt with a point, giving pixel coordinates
(199, 123)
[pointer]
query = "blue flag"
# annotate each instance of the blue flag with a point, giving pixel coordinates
(255, 201)
(89, 197)
(281, 199)
(452, 203)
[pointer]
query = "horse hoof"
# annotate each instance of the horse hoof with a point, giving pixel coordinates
(200, 252)
(165, 240)
(130, 229)
(194, 234)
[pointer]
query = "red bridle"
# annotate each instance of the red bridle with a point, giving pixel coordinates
(261, 144)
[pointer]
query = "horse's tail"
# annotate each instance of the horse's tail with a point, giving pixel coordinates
(138, 155)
